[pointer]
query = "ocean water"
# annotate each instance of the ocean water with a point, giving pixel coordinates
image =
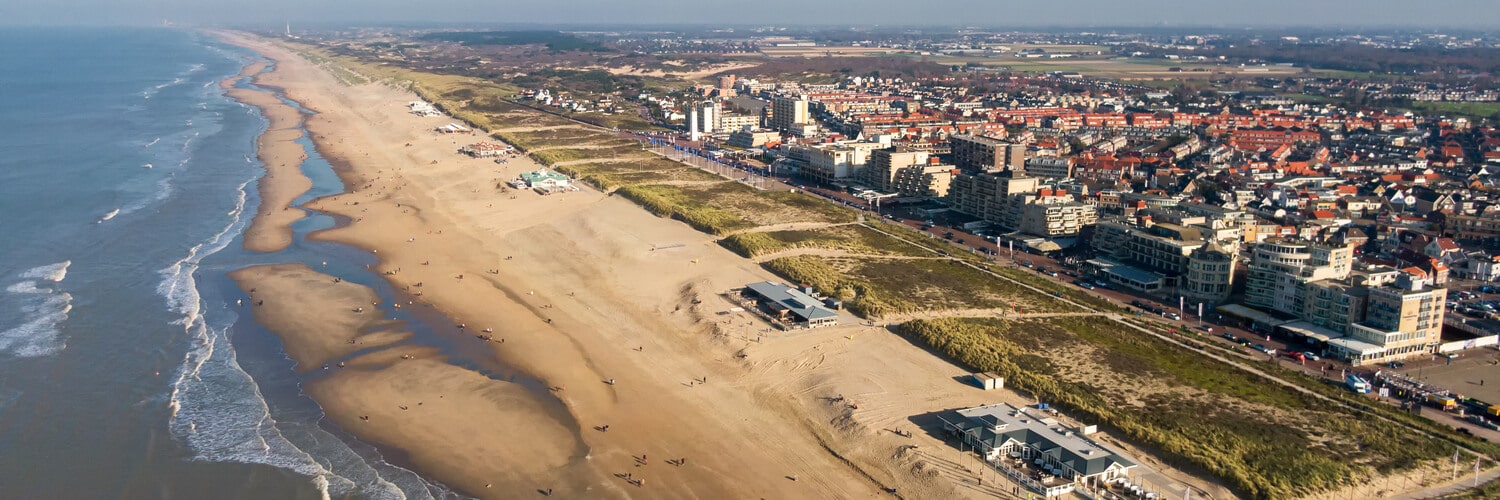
(126, 369)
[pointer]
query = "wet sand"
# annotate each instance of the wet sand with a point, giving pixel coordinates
(320, 320)
(270, 230)
(472, 432)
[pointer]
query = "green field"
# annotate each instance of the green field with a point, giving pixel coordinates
(1467, 109)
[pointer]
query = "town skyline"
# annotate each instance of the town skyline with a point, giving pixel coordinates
(1465, 14)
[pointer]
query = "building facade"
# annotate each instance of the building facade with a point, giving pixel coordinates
(973, 153)
(787, 113)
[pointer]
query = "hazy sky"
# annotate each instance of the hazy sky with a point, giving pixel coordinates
(1439, 13)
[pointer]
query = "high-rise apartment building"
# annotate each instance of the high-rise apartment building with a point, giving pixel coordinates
(976, 154)
(908, 173)
(788, 113)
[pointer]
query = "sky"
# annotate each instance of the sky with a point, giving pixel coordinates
(1483, 14)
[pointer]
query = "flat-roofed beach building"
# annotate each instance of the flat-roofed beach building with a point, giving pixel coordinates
(1013, 439)
(790, 305)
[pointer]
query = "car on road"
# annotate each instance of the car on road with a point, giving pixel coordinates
(1264, 349)
(1051, 273)
(1396, 364)
(1085, 285)
(1172, 316)
(1310, 355)
(1230, 337)
(1295, 355)
(1028, 264)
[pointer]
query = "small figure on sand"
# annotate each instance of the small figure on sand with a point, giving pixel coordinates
(610, 381)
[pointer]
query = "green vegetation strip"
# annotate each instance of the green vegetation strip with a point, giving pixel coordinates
(616, 150)
(680, 204)
(1262, 439)
(853, 239)
(874, 287)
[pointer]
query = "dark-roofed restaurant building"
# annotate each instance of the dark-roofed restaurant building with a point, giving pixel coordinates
(790, 305)
(1036, 450)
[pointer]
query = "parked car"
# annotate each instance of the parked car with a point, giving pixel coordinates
(1172, 316)
(1310, 356)
(1295, 355)
(1085, 285)
(1051, 273)
(1230, 337)
(1396, 364)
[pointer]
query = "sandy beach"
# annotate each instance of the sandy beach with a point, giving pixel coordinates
(334, 318)
(270, 230)
(573, 284)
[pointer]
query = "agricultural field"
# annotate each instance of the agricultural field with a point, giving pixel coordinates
(840, 51)
(1468, 109)
(876, 287)
(1261, 439)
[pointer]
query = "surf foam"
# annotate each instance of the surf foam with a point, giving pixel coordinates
(44, 308)
(218, 410)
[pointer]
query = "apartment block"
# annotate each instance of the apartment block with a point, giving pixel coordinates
(1050, 166)
(787, 113)
(1365, 315)
(975, 154)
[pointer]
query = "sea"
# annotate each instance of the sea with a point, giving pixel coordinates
(127, 370)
